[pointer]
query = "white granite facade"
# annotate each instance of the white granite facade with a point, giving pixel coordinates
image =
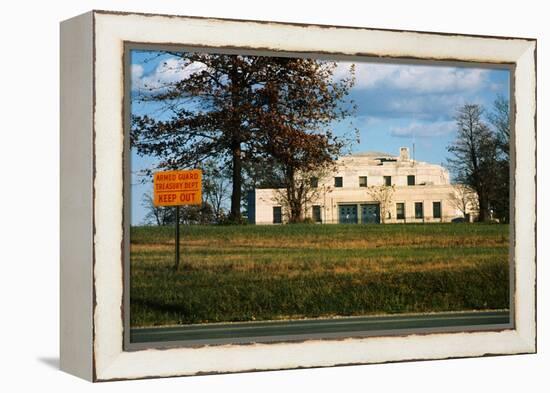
(422, 192)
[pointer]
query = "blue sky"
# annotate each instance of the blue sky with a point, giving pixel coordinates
(398, 105)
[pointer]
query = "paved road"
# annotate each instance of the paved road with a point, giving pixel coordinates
(265, 331)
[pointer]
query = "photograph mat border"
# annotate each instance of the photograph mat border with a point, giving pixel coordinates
(129, 346)
(111, 362)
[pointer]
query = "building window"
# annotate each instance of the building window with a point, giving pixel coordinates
(437, 209)
(418, 210)
(314, 181)
(387, 180)
(338, 181)
(400, 210)
(277, 215)
(362, 181)
(410, 180)
(316, 213)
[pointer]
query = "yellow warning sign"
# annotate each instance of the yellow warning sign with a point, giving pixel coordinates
(174, 188)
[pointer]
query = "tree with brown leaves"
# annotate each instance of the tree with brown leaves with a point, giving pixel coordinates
(301, 106)
(224, 109)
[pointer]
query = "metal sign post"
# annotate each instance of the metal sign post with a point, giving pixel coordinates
(177, 261)
(177, 188)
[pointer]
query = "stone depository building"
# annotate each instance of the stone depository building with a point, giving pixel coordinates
(374, 187)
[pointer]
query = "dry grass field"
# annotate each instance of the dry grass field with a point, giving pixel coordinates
(243, 273)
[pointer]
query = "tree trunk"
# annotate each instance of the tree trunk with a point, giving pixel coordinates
(235, 214)
(482, 206)
(293, 197)
(295, 210)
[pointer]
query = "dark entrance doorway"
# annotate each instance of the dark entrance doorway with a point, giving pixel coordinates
(348, 214)
(370, 213)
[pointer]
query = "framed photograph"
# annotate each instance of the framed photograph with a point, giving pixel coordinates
(246, 195)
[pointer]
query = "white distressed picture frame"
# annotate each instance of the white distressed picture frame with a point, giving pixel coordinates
(92, 151)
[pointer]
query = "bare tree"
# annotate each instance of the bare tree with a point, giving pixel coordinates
(159, 215)
(499, 118)
(464, 199)
(197, 214)
(384, 196)
(216, 187)
(301, 193)
(474, 158)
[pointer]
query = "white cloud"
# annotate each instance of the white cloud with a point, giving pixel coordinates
(422, 130)
(137, 71)
(496, 87)
(426, 105)
(418, 78)
(168, 71)
(369, 121)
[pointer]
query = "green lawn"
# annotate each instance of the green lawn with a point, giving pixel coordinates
(243, 273)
